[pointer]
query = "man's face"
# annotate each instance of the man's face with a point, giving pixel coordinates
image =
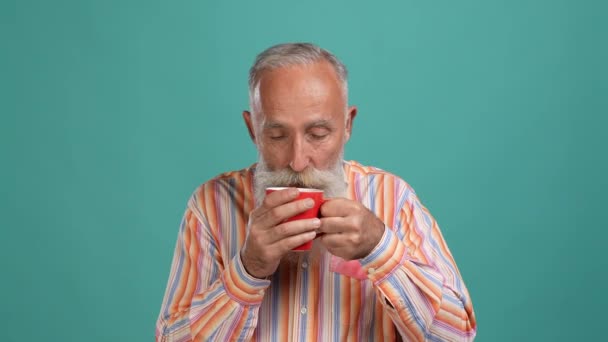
(302, 120)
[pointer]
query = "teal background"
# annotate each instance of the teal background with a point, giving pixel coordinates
(112, 112)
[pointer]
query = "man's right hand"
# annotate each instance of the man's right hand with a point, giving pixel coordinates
(269, 237)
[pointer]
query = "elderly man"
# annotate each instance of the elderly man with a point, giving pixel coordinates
(379, 269)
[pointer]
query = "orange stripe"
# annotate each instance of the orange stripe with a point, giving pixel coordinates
(241, 220)
(355, 309)
(178, 301)
(284, 312)
(213, 318)
(345, 300)
(193, 252)
(313, 298)
(210, 210)
(239, 327)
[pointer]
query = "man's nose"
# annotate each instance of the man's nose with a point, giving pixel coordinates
(300, 157)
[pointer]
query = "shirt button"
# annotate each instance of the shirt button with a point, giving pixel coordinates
(303, 310)
(371, 270)
(304, 264)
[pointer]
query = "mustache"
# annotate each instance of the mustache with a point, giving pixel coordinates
(309, 178)
(331, 181)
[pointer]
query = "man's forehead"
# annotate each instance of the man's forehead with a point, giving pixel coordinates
(291, 84)
(300, 70)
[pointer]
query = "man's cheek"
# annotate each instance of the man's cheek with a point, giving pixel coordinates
(275, 160)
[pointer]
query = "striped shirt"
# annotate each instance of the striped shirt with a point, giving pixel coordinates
(410, 287)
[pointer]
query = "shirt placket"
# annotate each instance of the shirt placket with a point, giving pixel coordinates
(301, 310)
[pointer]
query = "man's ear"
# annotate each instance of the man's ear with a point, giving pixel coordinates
(249, 122)
(350, 117)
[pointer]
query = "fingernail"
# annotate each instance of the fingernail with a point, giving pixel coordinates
(316, 223)
(294, 192)
(309, 203)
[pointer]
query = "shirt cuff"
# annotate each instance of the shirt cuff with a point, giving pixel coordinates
(241, 286)
(385, 258)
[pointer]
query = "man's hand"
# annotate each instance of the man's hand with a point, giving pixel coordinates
(351, 230)
(269, 238)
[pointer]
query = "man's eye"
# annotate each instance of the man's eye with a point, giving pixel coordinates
(318, 136)
(278, 137)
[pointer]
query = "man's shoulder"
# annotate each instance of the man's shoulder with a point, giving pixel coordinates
(354, 168)
(365, 180)
(366, 175)
(230, 178)
(230, 183)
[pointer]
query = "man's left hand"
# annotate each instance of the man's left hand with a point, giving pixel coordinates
(350, 230)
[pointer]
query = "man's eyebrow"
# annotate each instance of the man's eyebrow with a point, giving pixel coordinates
(317, 123)
(271, 125)
(320, 123)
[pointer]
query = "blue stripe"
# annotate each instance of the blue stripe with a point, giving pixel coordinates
(233, 227)
(383, 244)
(251, 282)
(372, 324)
(336, 300)
(403, 198)
(435, 245)
(422, 268)
(274, 301)
(433, 338)
(427, 231)
(175, 326)
(215, 293)
(180, 264)
(400, 204)
(303, 320)
(212, 337)
(250, 315)
(395, 285)
(453, 300)
(371, 193)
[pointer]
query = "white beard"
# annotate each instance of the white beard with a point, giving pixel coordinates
(331, 181)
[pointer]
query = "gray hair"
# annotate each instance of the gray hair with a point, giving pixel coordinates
(289, 54)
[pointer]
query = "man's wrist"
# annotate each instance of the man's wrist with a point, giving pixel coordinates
(241, 286)
(250, 269)
(385, 257)
(376, 233)
(380, 231)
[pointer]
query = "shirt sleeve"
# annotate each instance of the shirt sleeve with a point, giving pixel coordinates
(207, 299)
(417, 279)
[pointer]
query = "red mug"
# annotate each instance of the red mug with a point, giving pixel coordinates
(317, 197)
